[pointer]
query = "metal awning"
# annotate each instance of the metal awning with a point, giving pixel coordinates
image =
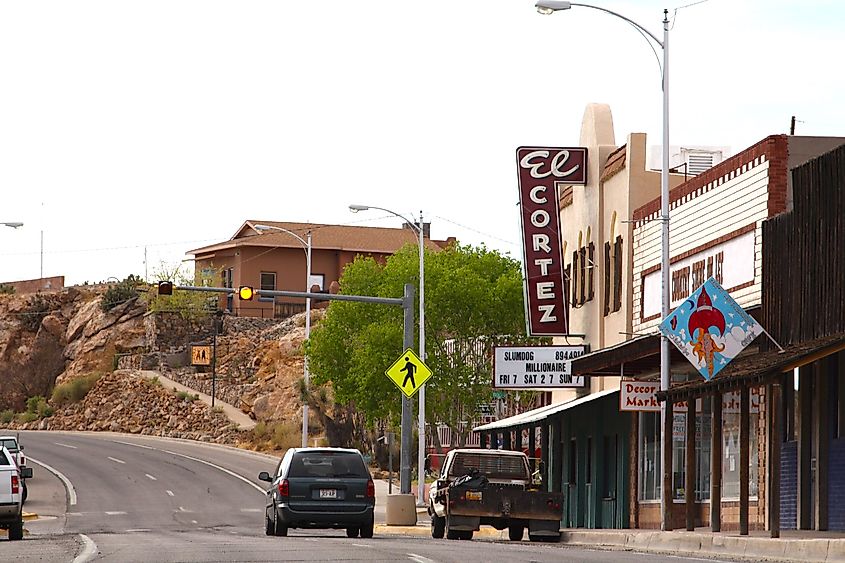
(759, 368)
(536, 415)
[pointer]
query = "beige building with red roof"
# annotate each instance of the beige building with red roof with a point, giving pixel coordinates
(275, 259)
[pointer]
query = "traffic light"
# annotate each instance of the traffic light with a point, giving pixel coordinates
(246, 293)
(165, 288)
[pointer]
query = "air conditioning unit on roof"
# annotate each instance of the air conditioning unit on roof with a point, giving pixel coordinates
(690, 160)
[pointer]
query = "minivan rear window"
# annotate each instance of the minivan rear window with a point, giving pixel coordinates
(327, 464)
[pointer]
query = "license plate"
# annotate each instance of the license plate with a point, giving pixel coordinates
(473, 495)
(328, 493)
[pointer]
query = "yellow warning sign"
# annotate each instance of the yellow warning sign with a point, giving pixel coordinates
(408, 372)
(201, 355)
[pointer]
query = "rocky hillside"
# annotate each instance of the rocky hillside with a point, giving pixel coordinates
(54, 339)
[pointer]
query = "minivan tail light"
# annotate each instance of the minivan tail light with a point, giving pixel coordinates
(371, 489)
(284, 488)
(15, 485)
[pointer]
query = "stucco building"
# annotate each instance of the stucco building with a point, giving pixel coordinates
(275, 259)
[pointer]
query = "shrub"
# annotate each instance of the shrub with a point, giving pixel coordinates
(37, 407)
(119, 293)
(187, 397)
(285, 435)
(74, 390)
(35, 311)
(7, 416)
(7, 289)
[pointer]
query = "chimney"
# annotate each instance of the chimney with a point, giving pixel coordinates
(413, 226)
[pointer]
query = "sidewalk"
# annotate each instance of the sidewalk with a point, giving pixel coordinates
(816, 547)
(234, 414)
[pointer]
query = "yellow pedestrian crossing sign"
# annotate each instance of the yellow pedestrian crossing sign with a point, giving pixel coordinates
(408, 372)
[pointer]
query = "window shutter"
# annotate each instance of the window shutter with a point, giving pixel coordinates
(607, 280)
(591, 269)
(617, 274)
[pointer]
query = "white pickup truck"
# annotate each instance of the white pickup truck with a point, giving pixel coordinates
(491, 487)
(12, 444)
(11, 496)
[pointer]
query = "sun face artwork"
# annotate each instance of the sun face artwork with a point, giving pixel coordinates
(710, 328)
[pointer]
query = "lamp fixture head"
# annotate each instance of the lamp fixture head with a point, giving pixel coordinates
(356, 208)
(547, 7)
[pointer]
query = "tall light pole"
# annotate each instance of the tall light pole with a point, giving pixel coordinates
(420, 229)
(306, 245)
(551, 6)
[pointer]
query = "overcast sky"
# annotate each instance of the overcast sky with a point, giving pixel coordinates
(163, 125)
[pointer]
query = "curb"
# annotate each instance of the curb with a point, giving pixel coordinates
(28, 516)
(425, 531)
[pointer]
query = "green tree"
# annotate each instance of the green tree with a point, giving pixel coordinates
(473, 300)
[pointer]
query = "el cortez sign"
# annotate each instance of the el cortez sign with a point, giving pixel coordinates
(541, 171)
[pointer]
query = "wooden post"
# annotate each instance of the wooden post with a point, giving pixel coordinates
(532, 448)
(744, 457)
(506, 442)
(689, 485)
(821, 437)
(716, 464)
(483, 440)
(666, 491)
(775, 408)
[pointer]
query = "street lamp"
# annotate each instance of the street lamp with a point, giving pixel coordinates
(421, 407)
(306, 245)
(13, 224)
(550, 6)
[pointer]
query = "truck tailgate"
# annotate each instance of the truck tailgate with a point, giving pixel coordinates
(508, 502)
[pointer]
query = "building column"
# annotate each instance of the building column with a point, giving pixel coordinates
(689, 485)
(483, 440)
(532, 440)
(666, 467)
(805, 445)
(557, 455)
(507, 444)
(744, 458)
(775, 435)
(716, 464)
(821, 437)
(544, 453)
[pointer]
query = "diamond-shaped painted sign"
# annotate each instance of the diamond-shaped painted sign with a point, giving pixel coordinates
(408, 372)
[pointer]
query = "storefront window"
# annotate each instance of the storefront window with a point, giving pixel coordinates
(730, 444)
(649, 462)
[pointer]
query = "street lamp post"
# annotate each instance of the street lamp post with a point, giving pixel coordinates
(306, 244)
(421, 406)
(13, 224)
(551, 6)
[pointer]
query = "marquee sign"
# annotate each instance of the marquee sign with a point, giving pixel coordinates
(541, 171)
(536, 367)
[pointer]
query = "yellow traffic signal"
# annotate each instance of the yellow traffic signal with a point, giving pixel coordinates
(246, 293)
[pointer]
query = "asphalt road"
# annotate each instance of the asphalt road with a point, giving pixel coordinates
(133, 498)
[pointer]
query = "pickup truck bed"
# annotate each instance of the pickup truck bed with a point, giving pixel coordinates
(11, 506)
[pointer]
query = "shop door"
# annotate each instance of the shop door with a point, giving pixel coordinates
(609, 485)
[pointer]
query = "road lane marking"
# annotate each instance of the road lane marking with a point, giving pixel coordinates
(419, 558)
(89, 551)
(114, 459)
(71, 492)
(65, 445)
(252, 510)
(137, 530)
(115, 512)
(150, 477)
(131, 444)
(198, 460)
(169, 493)
(194, 522)
(361, 545)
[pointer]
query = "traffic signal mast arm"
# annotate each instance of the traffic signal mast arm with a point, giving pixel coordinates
(302, 294)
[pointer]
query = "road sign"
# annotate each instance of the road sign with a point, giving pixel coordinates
(710, 328)
(536, 367)
(408, 372)
(201, 355)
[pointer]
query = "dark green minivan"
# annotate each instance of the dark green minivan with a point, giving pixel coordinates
(320, 488)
